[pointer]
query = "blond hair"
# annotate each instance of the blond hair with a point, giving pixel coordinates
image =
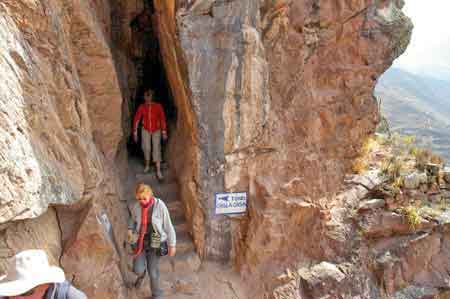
(143, 190)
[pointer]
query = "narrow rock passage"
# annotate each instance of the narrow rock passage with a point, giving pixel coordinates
(182, 276)
(186, 257)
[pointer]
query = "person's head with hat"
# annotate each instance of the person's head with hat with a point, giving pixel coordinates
(32, 277)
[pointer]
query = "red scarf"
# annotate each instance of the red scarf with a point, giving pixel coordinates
(144, 223)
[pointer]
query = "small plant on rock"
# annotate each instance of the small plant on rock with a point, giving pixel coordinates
(409, 139)
(423, 157)
(436, 159)
(413, 151)
(392, 167)
(412, 216)
(396, 168)
(369, 145)
(398, 182)
(360, 165)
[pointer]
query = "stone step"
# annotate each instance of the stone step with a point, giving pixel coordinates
(167, 196)
(176, 286)
(185, 243)
(175, 208)
(151, 179)
(167, 188)
(182, 228)
(180, 263)
(177, 219)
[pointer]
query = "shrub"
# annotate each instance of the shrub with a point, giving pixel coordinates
(413, 151)
(360, 165)
(412, 216)
(409, 139)
(368, 146)
(392, 167)
(398, 182)
(436, 159)
(396, 168)
(423, 157)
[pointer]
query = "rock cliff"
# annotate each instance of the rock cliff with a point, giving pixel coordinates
(273, 97)
(282, 92)
(61, 124)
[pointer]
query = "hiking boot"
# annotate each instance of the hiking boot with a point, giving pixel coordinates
(147, 167)
(159, 176)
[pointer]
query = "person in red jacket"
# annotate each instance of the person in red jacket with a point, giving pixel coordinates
(153, 126)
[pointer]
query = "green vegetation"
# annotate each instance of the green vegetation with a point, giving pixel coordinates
(398, 182)
(361, 164)
(412, 216)
(401, 162)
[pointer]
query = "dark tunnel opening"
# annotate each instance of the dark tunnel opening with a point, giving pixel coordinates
(150, 72)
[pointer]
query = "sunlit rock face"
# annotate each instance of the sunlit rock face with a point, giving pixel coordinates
(282, 92)
(61, 132)
(274, 98)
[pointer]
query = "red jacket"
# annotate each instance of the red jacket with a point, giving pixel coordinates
(153, 117)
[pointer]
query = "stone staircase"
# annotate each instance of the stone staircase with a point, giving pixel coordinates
(178, 274)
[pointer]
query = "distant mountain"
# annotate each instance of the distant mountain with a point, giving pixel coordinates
(418, 105)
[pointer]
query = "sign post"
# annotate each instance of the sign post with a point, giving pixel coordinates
(230, 203)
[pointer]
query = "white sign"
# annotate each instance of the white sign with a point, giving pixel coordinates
(231, 203)
(104, 221)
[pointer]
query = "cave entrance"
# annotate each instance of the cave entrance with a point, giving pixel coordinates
(146, 52)
(150, 73)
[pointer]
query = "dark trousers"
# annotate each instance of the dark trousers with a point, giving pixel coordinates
(149, 259)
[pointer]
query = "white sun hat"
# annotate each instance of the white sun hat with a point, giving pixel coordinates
(30, 269)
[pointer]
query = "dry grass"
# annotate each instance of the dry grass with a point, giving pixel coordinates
(436, 159)
(360, 165)
(409, 139)
(412, 216)
(423, 157)
(398, 182)
(392, 167)
(413, 151)
(369, 146)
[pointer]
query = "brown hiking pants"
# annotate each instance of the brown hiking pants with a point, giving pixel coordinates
(151, 144)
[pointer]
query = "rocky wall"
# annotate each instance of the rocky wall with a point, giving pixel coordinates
(325, 58)
(183, 149)
(221, 52)
(61, 133)
(43, 232)
(283, 96)
(274, 98)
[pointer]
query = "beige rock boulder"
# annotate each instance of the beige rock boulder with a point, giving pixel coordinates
(39, 233)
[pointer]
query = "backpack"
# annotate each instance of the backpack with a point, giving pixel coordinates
(58, 290)
(62, 289)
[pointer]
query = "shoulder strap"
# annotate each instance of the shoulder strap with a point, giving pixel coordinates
(62, 289)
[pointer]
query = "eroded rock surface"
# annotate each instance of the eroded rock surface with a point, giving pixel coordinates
(282, 95)
(61, 131)
(274, 98)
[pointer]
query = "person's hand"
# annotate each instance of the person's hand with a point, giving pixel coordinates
(172, 250)
(135, 136)
(164, 135)
(131, 237)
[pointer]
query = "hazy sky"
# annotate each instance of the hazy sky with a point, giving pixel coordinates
(430, 44)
